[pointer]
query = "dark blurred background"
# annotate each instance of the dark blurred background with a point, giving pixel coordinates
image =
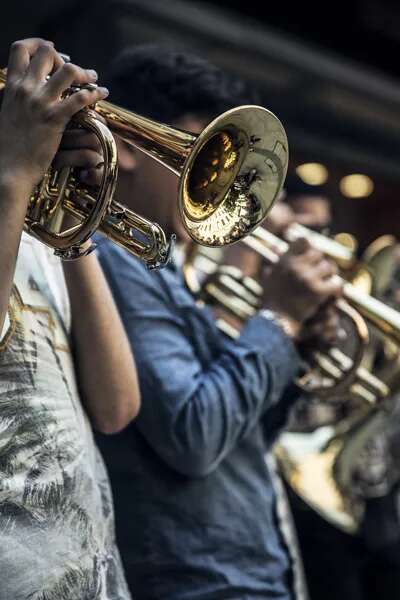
(329, 70)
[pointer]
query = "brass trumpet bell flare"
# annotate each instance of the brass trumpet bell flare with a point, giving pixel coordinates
(233, 175)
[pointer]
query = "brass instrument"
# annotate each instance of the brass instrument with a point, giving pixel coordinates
(320, 462)
(333, 372)
(317, 462)
(328, 459)
(229, 177)
(373, 310)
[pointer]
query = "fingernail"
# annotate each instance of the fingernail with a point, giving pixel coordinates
(104, 91)
(66, 58)
(92, 73)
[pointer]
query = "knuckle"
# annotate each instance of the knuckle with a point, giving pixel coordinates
(45, 48)
(84, 97)
(41, 42)
(23, 90)
(17, 45)
(328, 263)
(70, 69)
(96, 95)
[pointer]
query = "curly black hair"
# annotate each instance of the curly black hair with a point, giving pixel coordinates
(166, 84)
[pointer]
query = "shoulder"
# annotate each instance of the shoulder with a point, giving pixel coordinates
(120, 266)
(111, 254)
(129, 277)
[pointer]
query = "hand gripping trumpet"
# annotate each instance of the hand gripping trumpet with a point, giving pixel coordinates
(332, 373)
(229, 177)
(328, 453)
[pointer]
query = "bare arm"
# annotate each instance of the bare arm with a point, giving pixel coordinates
(104, 363)
(15, 183)
(32, 120)
(106, 369)
(13, 206)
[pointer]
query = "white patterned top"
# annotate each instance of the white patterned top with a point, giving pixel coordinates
(56, 514)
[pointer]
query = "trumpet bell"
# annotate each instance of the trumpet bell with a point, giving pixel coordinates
(233, 175)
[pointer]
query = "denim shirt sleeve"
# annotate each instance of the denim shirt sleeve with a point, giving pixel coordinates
(194, 412)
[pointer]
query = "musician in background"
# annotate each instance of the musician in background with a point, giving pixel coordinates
(58, 325)
(301, 203)
(196, 512)
(363, 566)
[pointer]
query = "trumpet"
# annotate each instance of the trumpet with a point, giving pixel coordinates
(319, 454)
(377, 313)
(229, 177)
(332, 373)
(318, 463)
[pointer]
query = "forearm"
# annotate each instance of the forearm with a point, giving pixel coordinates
(13, 207)
(194, 418)
(202, 393)
(104, 362)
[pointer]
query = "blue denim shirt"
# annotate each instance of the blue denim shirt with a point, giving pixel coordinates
(195, 507)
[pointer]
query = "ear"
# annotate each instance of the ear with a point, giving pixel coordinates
(126, 155)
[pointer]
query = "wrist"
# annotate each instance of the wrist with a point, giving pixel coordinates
(15, 186)
(76, 258)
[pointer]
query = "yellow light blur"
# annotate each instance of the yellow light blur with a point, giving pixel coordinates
(356, 186)
(348, 240)
(312, 173)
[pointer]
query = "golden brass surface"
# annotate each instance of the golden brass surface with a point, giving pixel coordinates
(330, 373)
(317, 462)
(229, 176)
(319, 454)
